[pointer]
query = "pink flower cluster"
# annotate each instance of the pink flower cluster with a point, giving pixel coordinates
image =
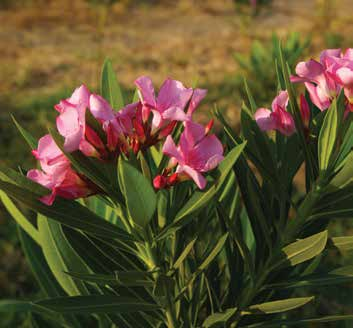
(323, 79)
(133, 128)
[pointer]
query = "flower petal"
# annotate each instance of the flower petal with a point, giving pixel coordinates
(173, 94)
(196, 98)
(170, 149)
(281, 101)
(198, 178)
(146, 91)
(100, 108)
(80, 96)
(320, 102)
(264, 119)
(310, 70)
(199, 156)
(174, 114)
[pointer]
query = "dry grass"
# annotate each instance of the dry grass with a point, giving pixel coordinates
(56, 44)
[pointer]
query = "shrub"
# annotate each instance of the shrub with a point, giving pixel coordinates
(134, 231)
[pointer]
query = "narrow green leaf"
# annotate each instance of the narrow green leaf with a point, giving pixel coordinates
(44, 277)
(136, 96)
(67, 212)
(345, 175)
(120, 278)
(39, 266)
(60, 256)
(204, 264)
(140, 198)
(342, 243)
(18, 216)
(301, 322)
(219, 319)
(278, 306)
(102, 176)
(184, 254)
(162, 207)
(252, 103)
(110, 88)
(327, 137)
(21, 306)
(302, 250)
(12, 176)
(32, 142)
(337, 276)
(96, 304)
(215, 251)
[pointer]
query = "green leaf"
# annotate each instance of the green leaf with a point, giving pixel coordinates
(199, 199)
(294, 109)
(21, 306)
(110, 88)
(342, 243)
(104, 176)
(278, 306)
(60, 256)
(67, 212)
(204, 264)
(140, 198)
(96, 304)
(162, 207)
(184, 254)
(44, 277)
(345, 175)
(211, 256)
(337, 276)
(39, 266)
(18, 216)
(32, 142)
(219, 319)
(120, 278)
(301, 322)
(136, 96)
(252, 103)
(12, 176)
(327, 137)
(258, 150)
(302, 250)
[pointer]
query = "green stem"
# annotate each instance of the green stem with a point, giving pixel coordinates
(170, 313)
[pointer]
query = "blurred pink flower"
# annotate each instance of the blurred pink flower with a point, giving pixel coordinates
(197, 153)
(56, 173)
(277, 119)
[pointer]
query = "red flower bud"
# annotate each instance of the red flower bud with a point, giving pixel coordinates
(159, 182)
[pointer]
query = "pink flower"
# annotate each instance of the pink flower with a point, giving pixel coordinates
(71, 122)
(196, 98)
(56, 173)
(168, 106)
(341, 70)
(197, 153)
(117, 125)
(277, 119)
(318, 81)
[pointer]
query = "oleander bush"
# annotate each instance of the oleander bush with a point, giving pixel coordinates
(138, 216)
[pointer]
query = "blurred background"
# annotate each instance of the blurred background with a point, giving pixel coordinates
(49, 47)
